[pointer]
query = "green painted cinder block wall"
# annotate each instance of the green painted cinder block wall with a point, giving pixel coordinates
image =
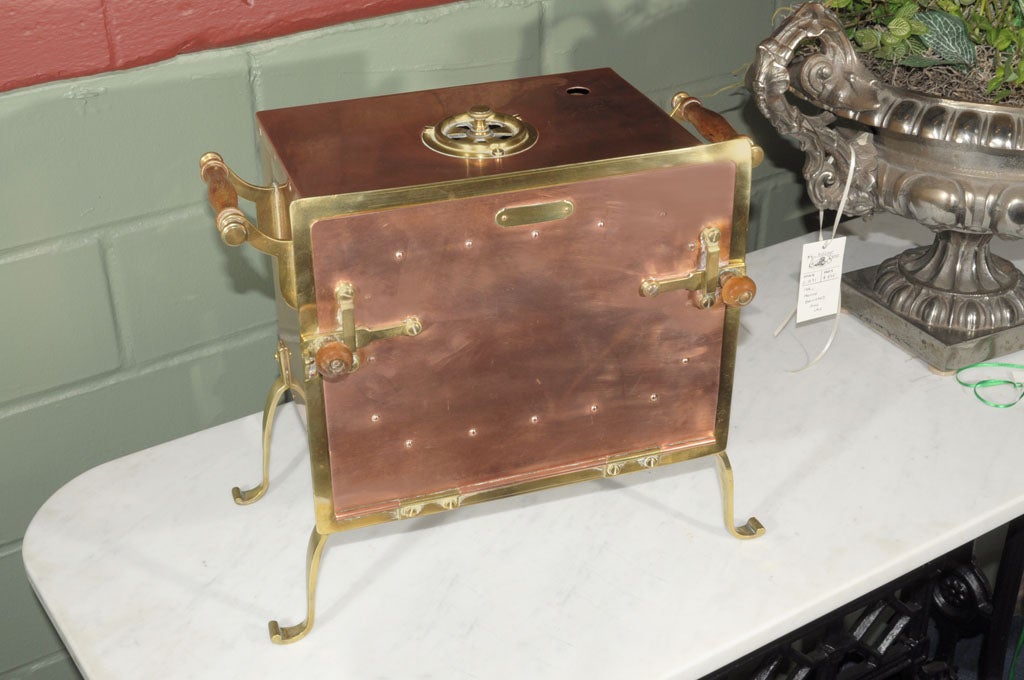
(128, 323)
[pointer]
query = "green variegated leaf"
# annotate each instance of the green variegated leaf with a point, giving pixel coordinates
(919, 61)
(890, 39)
(918, 27)
(1003, 39)
(867, 39)
(947, 37)
(900, 28)
(906, 10)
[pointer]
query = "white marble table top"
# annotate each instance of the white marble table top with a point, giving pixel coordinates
(863, 467)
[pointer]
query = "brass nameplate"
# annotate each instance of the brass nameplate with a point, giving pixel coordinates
(532, 214)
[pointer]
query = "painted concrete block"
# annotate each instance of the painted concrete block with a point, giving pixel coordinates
(46, 446)
(142, 32)
(51, 39)
(80, 154)
(455, 44)
(56, 666)
(25, 630)
(654, 44)
(60, 325)
(195, 291)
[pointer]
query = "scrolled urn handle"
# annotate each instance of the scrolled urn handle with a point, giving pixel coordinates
(831, 80)
(711, 125)
(233, 225)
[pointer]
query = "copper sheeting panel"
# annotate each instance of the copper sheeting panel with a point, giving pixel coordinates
(374, 143)
(538, 353)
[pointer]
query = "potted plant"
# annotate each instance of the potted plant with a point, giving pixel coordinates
(953, 164)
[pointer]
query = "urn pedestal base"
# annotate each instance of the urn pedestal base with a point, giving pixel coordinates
(943, 349)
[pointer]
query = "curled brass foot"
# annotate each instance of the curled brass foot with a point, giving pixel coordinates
(753, 528)
(281, 385)
(287, 634)
(252, 495)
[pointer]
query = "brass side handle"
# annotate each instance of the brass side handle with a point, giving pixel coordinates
(271, 232)
(711, 125)
(233, 225)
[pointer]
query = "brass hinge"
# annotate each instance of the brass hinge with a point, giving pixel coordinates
(336, 353)
(737, 289)
(431, 503)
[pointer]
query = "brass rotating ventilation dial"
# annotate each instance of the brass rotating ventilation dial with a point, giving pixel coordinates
(480, 133)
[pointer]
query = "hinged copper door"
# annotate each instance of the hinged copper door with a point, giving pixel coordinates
(538, 355)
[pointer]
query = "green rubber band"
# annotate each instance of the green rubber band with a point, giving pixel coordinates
(987, 383)
(1016, 654)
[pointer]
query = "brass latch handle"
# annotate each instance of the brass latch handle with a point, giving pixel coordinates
(338, 353)
(737, 289)
(711, 125)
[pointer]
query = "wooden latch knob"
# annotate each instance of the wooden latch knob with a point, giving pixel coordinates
(334, 359)
(738, 291)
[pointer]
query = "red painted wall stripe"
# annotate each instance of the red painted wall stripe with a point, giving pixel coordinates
(46, 40)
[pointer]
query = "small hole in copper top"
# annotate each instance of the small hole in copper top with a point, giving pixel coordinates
(577, 90)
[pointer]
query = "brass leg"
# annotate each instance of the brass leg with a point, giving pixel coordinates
(753, 528)
(277, 391)
(288, 634)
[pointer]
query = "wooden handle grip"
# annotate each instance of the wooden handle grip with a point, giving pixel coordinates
(231, 222)
(711, 125)
(334, 359)
(738, 291)
(215, 173)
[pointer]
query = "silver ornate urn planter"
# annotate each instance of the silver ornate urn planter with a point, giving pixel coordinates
(953, 166)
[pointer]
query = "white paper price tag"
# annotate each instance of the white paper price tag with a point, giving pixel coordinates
(821, 270)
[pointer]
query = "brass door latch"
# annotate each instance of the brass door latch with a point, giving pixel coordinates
(737, 289)
(337, 353)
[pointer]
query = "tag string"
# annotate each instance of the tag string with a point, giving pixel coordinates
(862, 139)
(979, 387)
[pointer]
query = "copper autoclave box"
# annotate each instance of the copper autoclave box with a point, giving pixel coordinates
(497, 288)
